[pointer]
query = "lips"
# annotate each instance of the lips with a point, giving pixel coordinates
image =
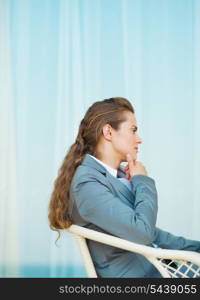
(136, 148)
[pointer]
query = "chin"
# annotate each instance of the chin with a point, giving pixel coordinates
(123, 159)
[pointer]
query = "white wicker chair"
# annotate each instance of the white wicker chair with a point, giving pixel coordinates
(184, 260)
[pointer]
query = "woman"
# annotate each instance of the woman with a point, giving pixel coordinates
(94, 191)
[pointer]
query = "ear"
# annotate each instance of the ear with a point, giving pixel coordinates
(107, 131)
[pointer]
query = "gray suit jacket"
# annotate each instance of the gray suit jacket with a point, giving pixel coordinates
(101, 202)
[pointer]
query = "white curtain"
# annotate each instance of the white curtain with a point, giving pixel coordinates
(56, 59)
(9, 213)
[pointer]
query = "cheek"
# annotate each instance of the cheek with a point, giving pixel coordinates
(129, 143)
(124, 142)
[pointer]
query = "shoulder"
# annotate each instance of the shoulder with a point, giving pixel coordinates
(84, 174)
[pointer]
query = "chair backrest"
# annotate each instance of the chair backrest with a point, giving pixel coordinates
(170, 263)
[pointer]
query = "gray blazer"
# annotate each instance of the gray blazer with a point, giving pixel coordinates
(101, 202)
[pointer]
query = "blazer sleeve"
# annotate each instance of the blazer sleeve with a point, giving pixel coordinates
(167, 240)
(98, 205)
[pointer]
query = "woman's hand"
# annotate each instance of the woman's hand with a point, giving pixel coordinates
(134, 168)
(126, 169)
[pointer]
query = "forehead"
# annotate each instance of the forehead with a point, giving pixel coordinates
(130, 119)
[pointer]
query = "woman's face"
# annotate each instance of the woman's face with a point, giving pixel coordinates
(125, 139)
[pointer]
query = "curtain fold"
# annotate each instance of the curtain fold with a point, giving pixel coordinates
(9, 213)
(196, 120)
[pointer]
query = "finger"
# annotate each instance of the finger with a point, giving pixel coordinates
(127, 176)
(130, 160)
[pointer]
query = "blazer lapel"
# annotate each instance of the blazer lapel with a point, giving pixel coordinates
(115, 183)
(120, 188)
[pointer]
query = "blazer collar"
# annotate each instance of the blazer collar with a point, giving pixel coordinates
(92, 163)
(118, 185)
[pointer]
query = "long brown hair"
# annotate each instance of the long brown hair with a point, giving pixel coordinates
(108, 111)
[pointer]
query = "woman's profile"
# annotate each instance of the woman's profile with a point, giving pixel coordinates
(94, 190)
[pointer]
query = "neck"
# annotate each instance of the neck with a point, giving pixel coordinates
(108, 157)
